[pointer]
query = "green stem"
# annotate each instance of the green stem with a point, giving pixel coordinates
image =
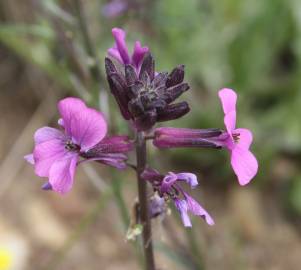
(124, 213)
(143, 203)
(94, 67)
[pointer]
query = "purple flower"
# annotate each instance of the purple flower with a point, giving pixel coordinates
(168, 187)
(120, 50)
(157, 206)
(237, 140)
(114, 8)
(56, 153)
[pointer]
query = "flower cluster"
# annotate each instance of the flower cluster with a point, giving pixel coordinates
(144, 97)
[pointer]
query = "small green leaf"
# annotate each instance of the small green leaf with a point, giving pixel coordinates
(133, 232)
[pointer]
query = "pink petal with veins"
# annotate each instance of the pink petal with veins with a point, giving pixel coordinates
(88, 128)
(196, 209)
(45, 154)
(230, 122)
(62, 172)
(244, 164)
(182, 207)
(228, 99)
(68, 107)
(46, 134)
(245, 137)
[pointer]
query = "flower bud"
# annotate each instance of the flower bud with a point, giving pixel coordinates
(183, 137)
(114, 144)
(173, 111)
(176, 76)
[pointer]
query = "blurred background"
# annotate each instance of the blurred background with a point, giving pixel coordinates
(51, 49)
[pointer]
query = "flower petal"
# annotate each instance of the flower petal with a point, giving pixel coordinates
(88, 128)
(115, 160)
(168, 181)
(47, 133)
(68, 107)
(46, 186)
(113, 144)
(61, 122)
(29, 158)
(230, 122)
(245, 137)
(119, 36)
(45, 154)
(84, 125)
(156, 205)
(228, 98)
(62, 173)
(244, 164)
(113, 52)
(138, 54)
(189, 178)
(196, 209)
(182, 207)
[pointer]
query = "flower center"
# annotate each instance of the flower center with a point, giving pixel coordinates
(236, 137)
(70, 146)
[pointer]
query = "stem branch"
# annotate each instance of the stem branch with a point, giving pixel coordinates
(95, 69)
(143, 203)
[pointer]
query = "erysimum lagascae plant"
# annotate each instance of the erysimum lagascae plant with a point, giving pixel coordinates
(145, 96)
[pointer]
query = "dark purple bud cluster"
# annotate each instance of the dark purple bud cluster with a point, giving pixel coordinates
(147, 97)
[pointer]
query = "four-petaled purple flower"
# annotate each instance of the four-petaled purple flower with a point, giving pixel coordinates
(56, 153)
(237, 140)
(168, 187)
(120, 51)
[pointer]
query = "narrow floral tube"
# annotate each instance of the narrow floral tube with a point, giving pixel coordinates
(188, 132)
(169, 137)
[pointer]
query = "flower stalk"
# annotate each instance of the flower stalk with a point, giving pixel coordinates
(143, 203)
